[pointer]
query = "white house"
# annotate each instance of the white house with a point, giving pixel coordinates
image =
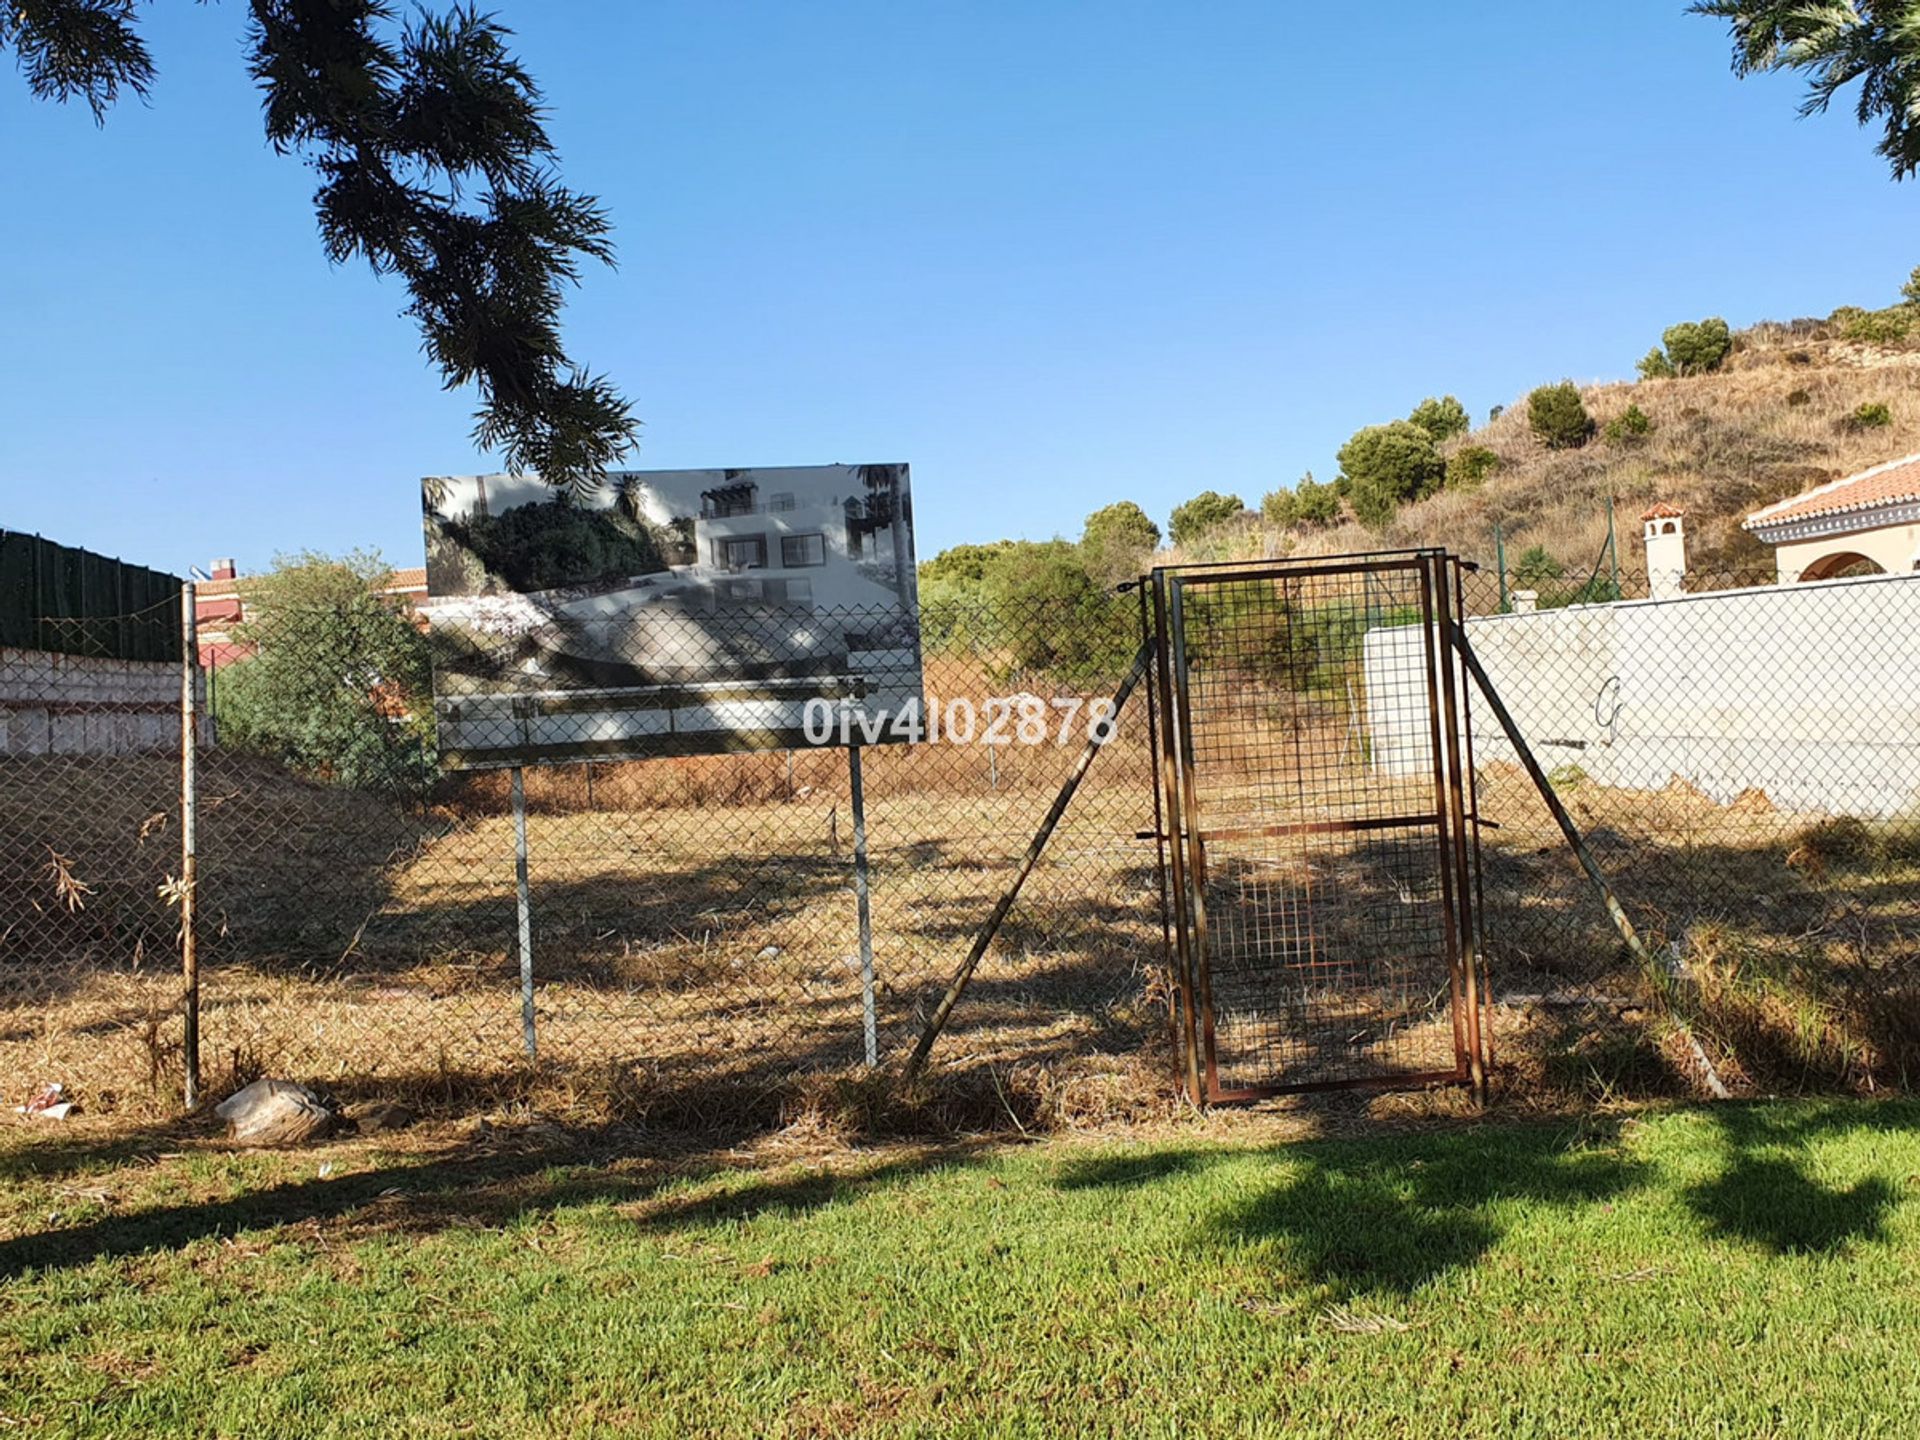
(1866, 524)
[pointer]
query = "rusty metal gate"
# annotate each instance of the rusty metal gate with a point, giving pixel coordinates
(1324, 895)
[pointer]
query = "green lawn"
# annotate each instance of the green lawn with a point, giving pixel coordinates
(1744, 1270)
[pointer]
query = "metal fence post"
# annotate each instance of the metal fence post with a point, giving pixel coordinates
(868, 1023)
(525, 913)
(189, 844)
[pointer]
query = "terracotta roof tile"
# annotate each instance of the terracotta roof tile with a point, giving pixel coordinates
(1663, 511)
(1892, 482)
(413, 577)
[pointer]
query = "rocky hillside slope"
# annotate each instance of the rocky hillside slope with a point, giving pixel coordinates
(1777, 417)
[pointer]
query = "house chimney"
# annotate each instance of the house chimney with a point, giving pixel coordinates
(223, 569)
(1665, 527)
(1525, 602)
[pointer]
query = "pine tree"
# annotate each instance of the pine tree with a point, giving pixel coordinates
(434, 164)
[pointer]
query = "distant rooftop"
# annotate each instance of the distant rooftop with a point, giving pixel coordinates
(1892, 483)
(413, 577)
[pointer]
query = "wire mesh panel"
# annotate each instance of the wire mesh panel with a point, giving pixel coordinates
(1327, 894)
(90, 863)
(695, 916)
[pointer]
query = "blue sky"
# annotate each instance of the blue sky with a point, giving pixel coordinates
(1051, 254)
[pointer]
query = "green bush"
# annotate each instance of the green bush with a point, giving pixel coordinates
(338, 682)
(1308, 503)
(1470, 465)
(1026, 610)
(1319, 503)
(1696, 346)
(1910, 292)
(1871, 415)
(1280, 509)
(1536, 567)
(1654, 365)
(1558, 417)
(1442, 419)
(1880, 327)
(1629, 425)
(1117, 540)
(1385, 466)
(1052, 616)
(1206, 511)
(962, 566)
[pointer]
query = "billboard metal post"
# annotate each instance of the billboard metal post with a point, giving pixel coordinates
(863, 901)
(526, 912)
(189, 844)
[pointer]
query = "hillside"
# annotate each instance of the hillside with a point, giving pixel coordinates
(1779, 414)
(1772, 421)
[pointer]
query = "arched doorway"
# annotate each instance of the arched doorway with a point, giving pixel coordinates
(1843, 566)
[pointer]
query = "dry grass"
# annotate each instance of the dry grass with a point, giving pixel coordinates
(1722, 445)
(694, 964)
(697, 959)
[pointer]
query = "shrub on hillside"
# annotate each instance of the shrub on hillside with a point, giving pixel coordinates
(1910, 292)
(1558, 417)
(1629, 425)
(1280, 509)
(1696, 346)
(1308, 503)
(1442, 419)
(1205, 511)
(1384, 466)
(1469, 466)
(1880, 327)
(1871, 415)
(1048, 614)
(1654, 365)
(1116, 541)
(1319, 503)
(953, 595)
(1799, 397)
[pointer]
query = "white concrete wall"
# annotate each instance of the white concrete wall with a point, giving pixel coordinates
(1894, 548)
(1810, 693)
(54, 704)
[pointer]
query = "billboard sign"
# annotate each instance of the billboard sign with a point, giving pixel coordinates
(673, 612)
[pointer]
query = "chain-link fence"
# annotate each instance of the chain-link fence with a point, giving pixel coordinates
(90, 858)
(1741, 760)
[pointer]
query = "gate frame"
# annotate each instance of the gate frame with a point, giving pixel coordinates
(1455, 817)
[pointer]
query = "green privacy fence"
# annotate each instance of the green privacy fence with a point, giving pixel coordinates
(55, 597)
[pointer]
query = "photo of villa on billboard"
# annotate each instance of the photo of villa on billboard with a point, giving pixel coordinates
(672, 612)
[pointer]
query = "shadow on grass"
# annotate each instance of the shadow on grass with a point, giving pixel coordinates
(1373, 1216)
(1387, 1216)
(1123, 1171)
(1767, 1193)
(464, 1188)
(1360, 1218)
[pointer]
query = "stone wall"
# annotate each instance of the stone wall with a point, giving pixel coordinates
(53, 704)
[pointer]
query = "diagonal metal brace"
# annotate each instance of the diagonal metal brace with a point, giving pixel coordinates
(964, 975)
